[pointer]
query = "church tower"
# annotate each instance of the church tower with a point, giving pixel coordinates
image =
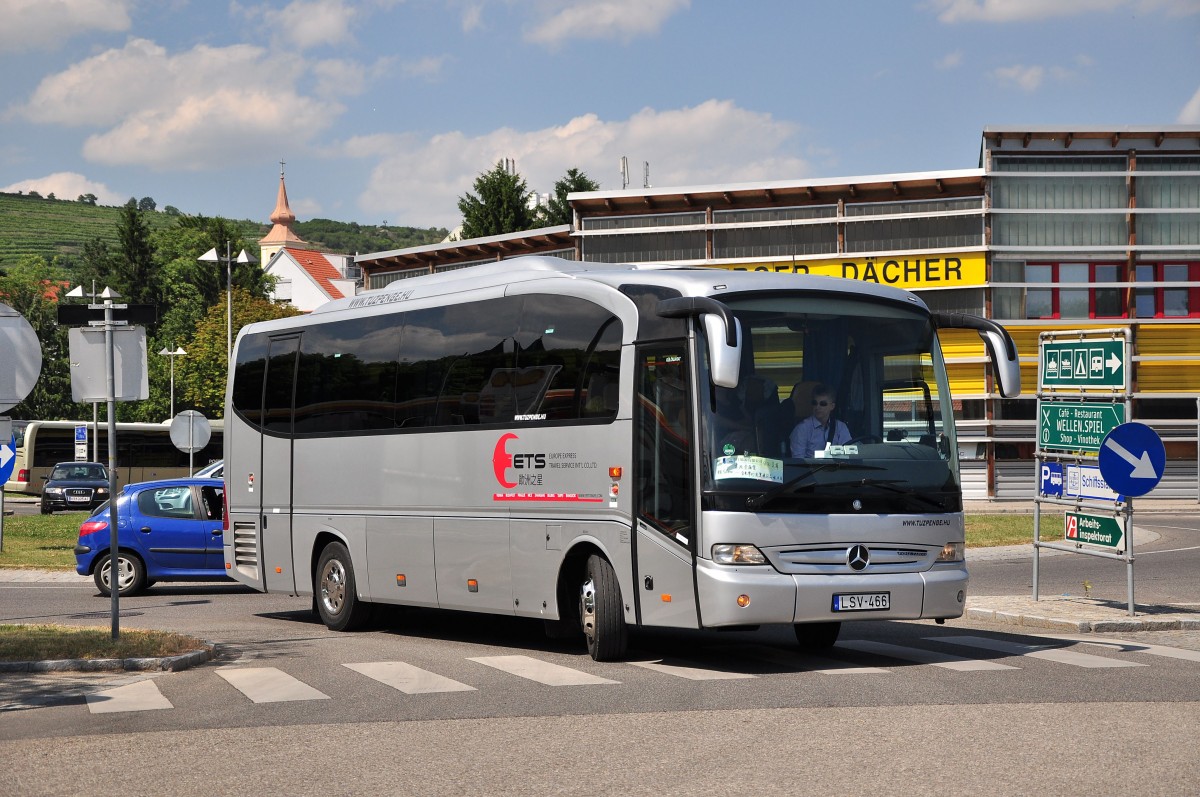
(281, 234)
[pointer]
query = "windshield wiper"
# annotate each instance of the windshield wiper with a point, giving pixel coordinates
(889, 485)
(759, 501)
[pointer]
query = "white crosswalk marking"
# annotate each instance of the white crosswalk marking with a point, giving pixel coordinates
(796, 661)
(1131, 647)
(690, 673)
(408, 679)
(541, 671)
(937, 659)
(1014, 649)
(139, 696)
(269, 685)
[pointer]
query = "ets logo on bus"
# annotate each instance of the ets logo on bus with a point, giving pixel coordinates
(502, 461)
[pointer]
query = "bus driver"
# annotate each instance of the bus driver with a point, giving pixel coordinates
(818, 430)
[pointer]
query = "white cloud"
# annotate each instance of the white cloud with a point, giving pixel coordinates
(1026, 78)
(421, 180)
(38, 24)
(66, 185)
(603, 19)
(1190, 114)
(187, 111)
(472, 18)
(428, 67)
(312, 23)
(951, 60)
(953, 11)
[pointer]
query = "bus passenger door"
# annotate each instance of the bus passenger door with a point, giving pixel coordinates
(665, 495)
(275, 481)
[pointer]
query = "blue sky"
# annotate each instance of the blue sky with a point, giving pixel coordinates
(387, 110)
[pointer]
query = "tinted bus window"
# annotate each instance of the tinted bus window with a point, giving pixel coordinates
(249, 370)
(347, 376)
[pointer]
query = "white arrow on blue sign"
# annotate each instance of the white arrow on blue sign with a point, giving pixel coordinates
(8, 459)
(1132, 459)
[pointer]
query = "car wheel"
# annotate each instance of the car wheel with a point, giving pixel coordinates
(815, 637)
(336, 593)
(600, 614)
(45, 509)
(131, 575)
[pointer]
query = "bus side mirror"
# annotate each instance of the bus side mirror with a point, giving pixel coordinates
(1006, 365)
(724, 360)
(721, 328)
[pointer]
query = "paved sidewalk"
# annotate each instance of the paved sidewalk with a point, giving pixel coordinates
(1081, 615)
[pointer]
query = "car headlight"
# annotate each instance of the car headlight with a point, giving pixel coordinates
(53, 490)
(952, 552)
(737, 554)
(101, 491)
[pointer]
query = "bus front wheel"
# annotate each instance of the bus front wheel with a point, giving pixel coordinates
(600, 613)
(815, 637)
(336, 596)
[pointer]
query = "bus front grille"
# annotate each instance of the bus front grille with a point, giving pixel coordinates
(245, 544)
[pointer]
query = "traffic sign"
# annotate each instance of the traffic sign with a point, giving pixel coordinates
(190, 431)
(1132, 458)
(20, 358)
(1076, 426)
(8, 458)
(1098, 530)
(1086, 363)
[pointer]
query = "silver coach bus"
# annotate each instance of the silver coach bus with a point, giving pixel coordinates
(603, 446)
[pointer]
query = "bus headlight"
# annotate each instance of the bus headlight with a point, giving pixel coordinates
(730, 554)
(952, 552)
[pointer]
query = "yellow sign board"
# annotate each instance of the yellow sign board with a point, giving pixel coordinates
(912, 272)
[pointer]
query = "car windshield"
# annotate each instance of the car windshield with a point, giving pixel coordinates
(86, 471)
(838, 400)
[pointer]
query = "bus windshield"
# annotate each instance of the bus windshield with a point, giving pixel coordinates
(841, 406)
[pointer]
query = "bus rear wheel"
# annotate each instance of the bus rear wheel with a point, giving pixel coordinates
(336, 593)
(815, 637)
(600, 612)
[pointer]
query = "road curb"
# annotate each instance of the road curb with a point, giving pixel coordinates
(1083, 626)
(139, 664)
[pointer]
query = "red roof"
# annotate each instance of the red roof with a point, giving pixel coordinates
(320, 269)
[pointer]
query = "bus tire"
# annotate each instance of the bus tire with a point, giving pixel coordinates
(131, 575)
(815, 637)
(600, 613)
(335, 591)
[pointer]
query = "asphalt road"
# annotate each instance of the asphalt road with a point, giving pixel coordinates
(430, 702)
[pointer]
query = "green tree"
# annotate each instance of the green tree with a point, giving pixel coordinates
(499, 205)
(558, 210)
(204, 371)
(132, 273)
(146, 204)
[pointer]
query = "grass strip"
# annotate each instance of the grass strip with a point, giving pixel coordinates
(46, 642)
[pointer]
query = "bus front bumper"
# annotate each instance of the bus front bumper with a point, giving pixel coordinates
(738, 596)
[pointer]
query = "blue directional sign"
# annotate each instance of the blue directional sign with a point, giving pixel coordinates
(1132, 459)
(8, 459)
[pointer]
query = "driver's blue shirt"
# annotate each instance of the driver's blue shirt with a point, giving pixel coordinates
(809, 436)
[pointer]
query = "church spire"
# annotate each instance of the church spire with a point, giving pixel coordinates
(282, 218)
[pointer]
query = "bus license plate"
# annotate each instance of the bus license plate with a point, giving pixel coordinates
(863, 602)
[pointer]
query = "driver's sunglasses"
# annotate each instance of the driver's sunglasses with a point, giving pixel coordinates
(821, 403)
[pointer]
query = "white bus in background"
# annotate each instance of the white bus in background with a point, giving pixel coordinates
(144, 451)
(602, 446)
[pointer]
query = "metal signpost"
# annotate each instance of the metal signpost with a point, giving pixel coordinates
(120, 352)
(1088, 457)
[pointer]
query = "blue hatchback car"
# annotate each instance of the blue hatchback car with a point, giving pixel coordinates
(167, 530)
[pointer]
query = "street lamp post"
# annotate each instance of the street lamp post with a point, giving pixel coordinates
(179, 352)
(211, 256)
